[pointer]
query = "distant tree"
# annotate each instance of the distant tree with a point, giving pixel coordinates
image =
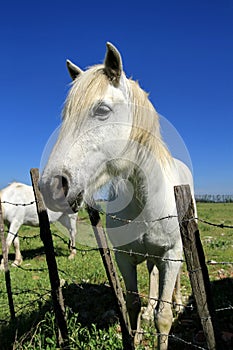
(209, 198)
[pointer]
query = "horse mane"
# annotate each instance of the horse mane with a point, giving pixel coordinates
(146, 126)
(92, 84)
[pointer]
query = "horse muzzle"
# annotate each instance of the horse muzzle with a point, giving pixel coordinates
(57, 195)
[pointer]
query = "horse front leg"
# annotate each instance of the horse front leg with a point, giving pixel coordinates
(148, 314)
(168, 272)
(177, 297)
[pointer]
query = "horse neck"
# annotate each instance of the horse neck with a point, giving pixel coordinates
(149, 181)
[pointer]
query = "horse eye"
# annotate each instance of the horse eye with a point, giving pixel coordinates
(102, 112)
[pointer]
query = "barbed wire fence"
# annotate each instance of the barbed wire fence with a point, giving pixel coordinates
(207, 318)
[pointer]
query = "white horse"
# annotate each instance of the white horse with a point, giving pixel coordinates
(24, 212)
(110, 134)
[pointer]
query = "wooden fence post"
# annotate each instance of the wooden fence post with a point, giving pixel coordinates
(195, 260)
(6, 268)
(46, 237)
(111, 272)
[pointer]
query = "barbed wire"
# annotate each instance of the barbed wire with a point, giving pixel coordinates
(212, 224)
(144, 296)
(212, 262)
(230, 307)
(146, 255)
(173, 337)
(115, 250)
(141, 295)
(23, 236)
(29, 304)
(18, 204)
(114, 217)
(190, 307)
(26, 291)
(128, 221)
(131, 252)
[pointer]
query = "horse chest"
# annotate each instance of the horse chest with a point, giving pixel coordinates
(152, 243)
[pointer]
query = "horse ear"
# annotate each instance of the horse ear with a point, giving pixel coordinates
(73, 69)
(113, 64)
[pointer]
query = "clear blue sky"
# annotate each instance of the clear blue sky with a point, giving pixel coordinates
(181, 51)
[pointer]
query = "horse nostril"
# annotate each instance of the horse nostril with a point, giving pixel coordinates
(65, 185)
(60, 186)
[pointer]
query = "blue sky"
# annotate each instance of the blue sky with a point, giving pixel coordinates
(180, 51)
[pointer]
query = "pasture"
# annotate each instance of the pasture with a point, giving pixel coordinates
(90, 310)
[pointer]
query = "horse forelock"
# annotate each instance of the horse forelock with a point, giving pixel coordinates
(85, 90)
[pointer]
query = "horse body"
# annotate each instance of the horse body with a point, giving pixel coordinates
(110, 132)
(158, 242)
(24, 212)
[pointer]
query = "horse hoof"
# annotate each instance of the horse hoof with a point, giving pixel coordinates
(179, 309)
(138, 338)
(17, 262)
(71, 256)
(147, 315)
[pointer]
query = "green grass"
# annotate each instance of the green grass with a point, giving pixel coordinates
(90, 308)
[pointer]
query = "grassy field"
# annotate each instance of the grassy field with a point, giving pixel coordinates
(90, 309)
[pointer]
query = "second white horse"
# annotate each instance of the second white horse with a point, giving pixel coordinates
(19, 208)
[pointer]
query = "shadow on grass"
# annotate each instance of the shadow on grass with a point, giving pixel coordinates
(38, 252)
(188, 325)
(93, 304)
(21, 326)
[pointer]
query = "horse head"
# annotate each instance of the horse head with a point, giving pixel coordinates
(96, 126)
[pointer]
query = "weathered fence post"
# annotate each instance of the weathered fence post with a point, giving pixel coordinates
(195, 260)
(46, 238)
(6, 268)
(127, 338)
